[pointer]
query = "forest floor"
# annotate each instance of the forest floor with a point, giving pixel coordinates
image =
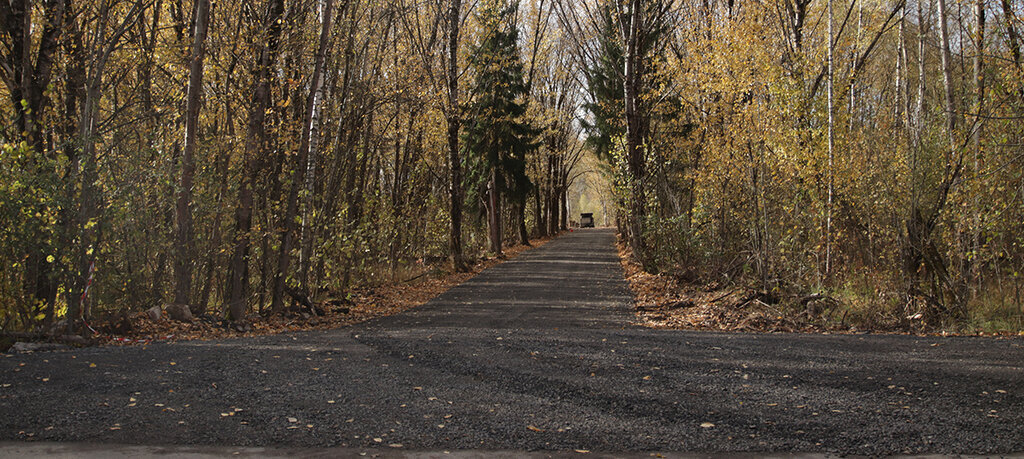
(669, 302)
(540, 353)
(359, 305)
(665, 301)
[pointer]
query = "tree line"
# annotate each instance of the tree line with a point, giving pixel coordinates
(220, 155)
(868, 151)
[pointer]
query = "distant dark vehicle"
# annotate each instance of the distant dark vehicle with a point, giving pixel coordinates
(587, 220)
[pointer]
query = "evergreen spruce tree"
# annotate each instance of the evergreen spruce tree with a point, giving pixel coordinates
(496, 133)
(604, 82)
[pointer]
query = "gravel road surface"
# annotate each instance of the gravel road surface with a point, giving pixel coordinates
(536, 354)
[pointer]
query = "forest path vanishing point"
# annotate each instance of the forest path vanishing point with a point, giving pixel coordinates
(537, 353)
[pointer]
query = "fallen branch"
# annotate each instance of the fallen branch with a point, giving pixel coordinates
(303, 300)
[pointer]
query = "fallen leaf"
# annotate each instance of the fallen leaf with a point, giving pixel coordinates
(582, 451)
(533, 428)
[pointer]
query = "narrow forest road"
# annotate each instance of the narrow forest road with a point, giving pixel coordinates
(534, 354)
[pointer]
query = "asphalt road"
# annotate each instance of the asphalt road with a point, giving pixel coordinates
(535, 354)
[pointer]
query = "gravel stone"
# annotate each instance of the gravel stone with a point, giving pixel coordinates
(535, 354)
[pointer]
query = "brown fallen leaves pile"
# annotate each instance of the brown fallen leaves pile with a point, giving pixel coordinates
(362, 304)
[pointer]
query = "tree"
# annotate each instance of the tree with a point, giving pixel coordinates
(26, 77)
(496, 133)
(303, 167)
(356, 146)
(185, 239)
(618, 46)
(254, 160)
(639, 23)
(92, 61)
(605, 84)
(454, 119)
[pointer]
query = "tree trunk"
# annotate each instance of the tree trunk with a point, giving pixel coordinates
(972, 271)
(902, 94)
(564, 205)
(831, 145)
(256, 148)
(454, 123)
(553, 209)
(311, 141)
(524, 235)
(947, 79)
(630, 24)
(538, 212)
(1012, 37)
(74, 87)
(184, 236)
(494, 212)
(919, 114)
(302, 166)
(911, 257)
